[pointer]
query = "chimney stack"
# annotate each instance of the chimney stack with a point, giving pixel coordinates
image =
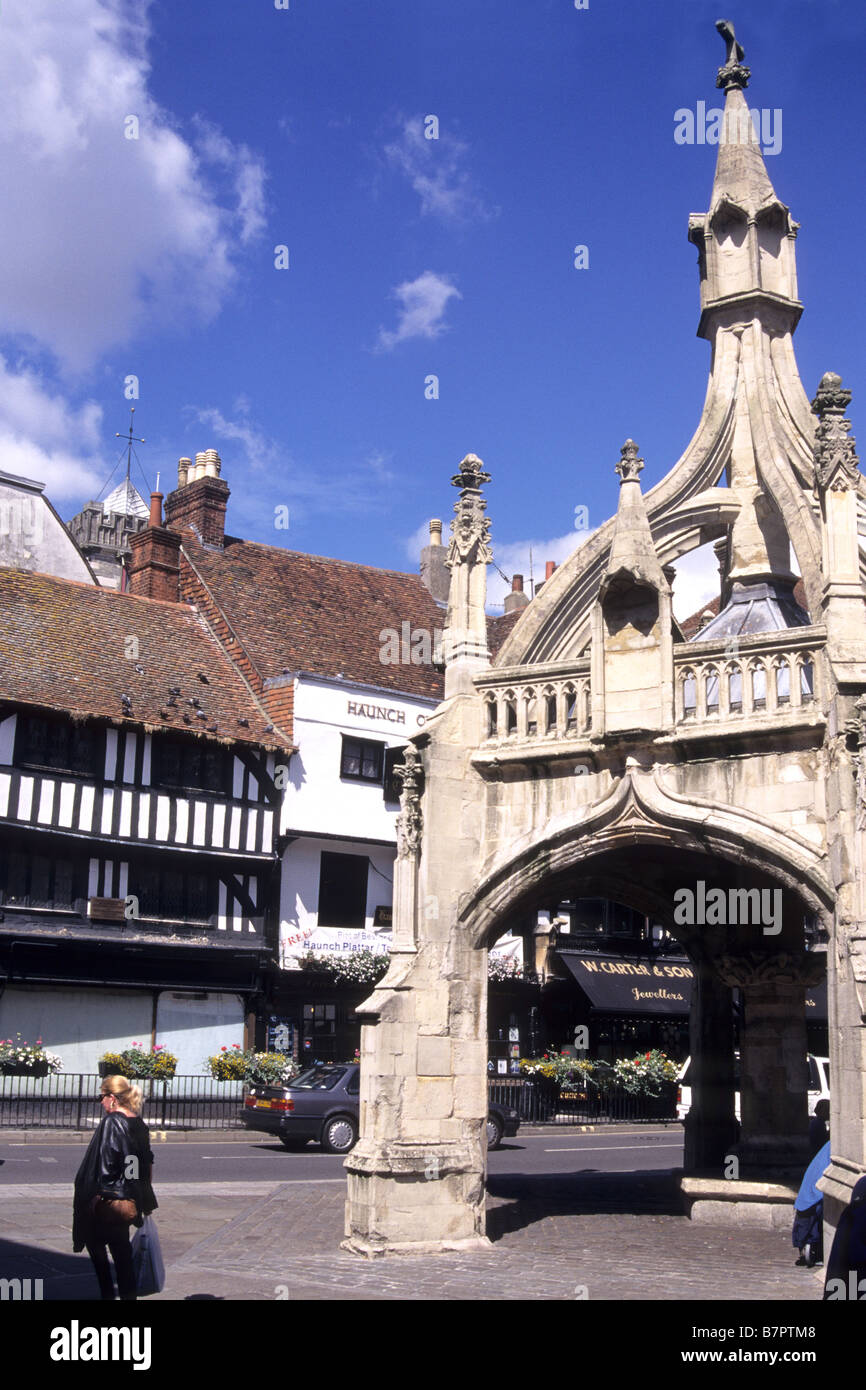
(517, 599)
(200, 499)
(435, 575)
(549, 569)
(154, 563)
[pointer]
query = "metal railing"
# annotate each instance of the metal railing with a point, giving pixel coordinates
(545, 1103)
(71, 1101)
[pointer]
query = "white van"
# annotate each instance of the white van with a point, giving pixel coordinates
(819, 1084)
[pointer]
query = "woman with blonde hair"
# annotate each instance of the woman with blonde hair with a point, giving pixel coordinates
(112, 1187)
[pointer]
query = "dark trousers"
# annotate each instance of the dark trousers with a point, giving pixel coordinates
(112, 1232)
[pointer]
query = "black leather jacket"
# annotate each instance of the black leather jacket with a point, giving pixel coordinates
(117, 1164)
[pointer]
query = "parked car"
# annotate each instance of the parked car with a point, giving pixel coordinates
(323, 1103)
(819, 1084)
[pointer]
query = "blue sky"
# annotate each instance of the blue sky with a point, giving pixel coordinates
(408, 257)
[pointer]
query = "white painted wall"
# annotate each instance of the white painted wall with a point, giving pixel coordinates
(316, 797)
(194, 1028)
(299, 899)
(78, 1023)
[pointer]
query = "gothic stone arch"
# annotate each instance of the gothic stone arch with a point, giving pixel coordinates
(599, 730)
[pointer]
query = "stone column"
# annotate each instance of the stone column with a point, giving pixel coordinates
(710, 1126)
(773, 1073)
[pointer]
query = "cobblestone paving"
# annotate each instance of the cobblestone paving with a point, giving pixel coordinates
(551, 1240)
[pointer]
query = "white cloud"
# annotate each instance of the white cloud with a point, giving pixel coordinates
(45, 438)
(101, 233)
(513, 558)
(423, 302)
(696, 582)
(434, 168)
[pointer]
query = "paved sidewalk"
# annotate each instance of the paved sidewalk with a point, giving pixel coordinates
(552, 1238)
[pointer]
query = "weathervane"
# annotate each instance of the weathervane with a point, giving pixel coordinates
(130, 440)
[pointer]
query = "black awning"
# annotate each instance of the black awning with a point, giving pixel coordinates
(816, 1003)
(614, 984)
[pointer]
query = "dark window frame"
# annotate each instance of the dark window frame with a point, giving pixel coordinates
(191, 883)
(364, 747)
(336, 906)
(84, 746)
(189, 755)
(23, 863)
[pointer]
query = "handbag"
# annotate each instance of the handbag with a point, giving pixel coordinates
(147, 1259)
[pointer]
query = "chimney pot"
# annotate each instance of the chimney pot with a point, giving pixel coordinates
(183, 471)
(435, 532)
(155, 509)
(517, 584)
(549, 569)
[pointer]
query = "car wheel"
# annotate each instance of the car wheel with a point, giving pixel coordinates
(292, 1144)
(339, 1134)
(494, 1132)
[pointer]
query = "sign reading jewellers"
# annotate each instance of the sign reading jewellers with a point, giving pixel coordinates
(615, 985)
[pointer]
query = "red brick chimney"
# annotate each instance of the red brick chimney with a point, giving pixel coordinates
(517, 598)
(200, 498)
(154, 563)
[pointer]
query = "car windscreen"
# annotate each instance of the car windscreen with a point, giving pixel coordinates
(317, 1079)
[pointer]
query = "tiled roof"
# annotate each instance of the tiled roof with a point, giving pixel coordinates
(64, 646)
(295, 612)
(500, 628)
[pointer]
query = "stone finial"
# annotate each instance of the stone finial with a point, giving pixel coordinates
(470, 529)
(734, 73)
(471, 473)
(630, 466)
(837, 467)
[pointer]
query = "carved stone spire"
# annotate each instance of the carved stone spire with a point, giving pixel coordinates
(837, 467)
(633, 551)
(630, 466)
(409, 774)
(464, 641)
(734, 73)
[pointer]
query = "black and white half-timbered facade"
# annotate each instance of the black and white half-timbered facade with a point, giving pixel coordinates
(138, 816)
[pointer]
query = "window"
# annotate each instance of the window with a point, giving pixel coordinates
(59, 744)
(531, 715)
(550, 704)
(759, 687)
(712, 690)
(783, 683)
(570, 710)
(807, 681)
(491, 718)
(190, 765)
(342, 890)
(35, 880)
(690, 694)
(361, 760)
(393, 759)
(174, 895)
(735, 690)
(510, 715)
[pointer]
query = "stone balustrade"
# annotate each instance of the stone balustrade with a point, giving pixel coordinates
(748, 677)
(554, 706)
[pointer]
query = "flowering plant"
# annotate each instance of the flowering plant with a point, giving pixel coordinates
(647, 1073)
(351, 967)
(262, 1068)
(500, 968)
(24, 1057)
(155, 1064)
(555, 1066)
